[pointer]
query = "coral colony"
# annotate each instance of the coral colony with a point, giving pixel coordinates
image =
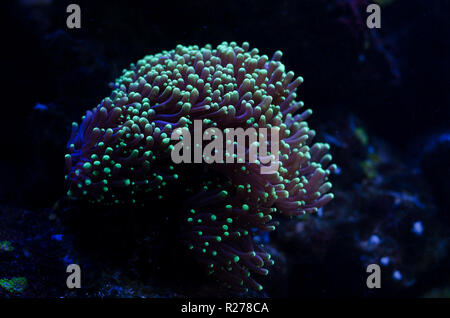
(124, 150)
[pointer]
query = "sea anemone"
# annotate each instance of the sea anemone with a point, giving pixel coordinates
(121, 152)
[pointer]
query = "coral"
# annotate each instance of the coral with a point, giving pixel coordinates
(6, 246)
(120, 154)
(14, 285)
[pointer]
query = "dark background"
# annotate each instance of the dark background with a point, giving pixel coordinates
(394, 81)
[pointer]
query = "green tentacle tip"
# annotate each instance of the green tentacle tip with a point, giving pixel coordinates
(15, 285)
(6, 246)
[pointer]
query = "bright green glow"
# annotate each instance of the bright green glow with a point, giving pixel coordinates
(14, 285)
